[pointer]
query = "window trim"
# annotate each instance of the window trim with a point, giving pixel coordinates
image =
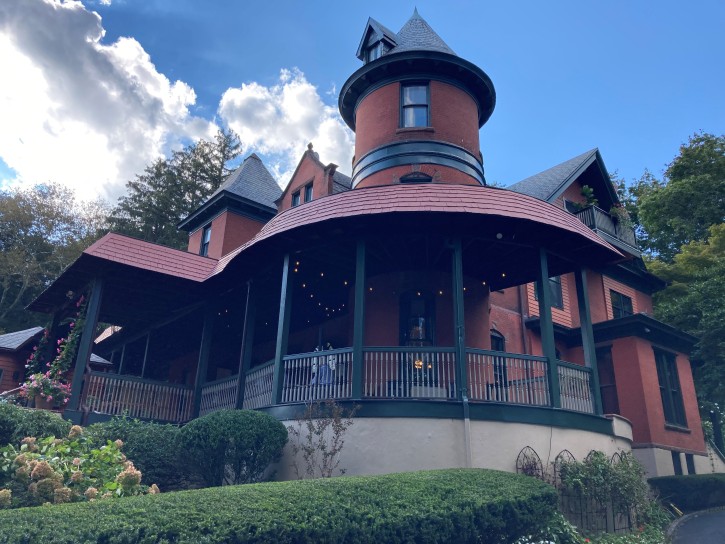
(205, 241)
(668, 379)
(557, 292)
(403, 107)
(624, 307)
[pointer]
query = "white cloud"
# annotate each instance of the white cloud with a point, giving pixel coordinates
(79, 112)
(279, 121)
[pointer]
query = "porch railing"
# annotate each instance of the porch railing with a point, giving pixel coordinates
(422, 373)
(409, 372)
(219, 395)
(507, 377)
(575, 386)
(116, 395)
(317, 376)
(258, 386)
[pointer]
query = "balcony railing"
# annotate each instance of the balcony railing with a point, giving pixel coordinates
(135, 397)
(597, 219)
(219, 395)
(424, 373)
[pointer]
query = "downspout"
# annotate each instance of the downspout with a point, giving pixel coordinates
(524, 337)
(467, 430)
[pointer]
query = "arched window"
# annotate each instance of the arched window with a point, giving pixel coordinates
(498, 341)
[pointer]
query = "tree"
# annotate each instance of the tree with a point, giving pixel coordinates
(680, 209)
(43, 229)
(171, 189)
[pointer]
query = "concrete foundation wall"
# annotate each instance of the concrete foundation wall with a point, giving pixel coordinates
(385, 445)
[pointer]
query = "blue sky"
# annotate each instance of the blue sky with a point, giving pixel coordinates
(632, 78)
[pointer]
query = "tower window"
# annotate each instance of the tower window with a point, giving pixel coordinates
(205, 239)
(414, 105)
(621, 304)
(296, 198)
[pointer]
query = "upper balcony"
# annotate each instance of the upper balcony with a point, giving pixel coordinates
(610, 228)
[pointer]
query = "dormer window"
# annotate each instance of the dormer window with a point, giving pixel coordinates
(414, 105)
(308, 192)
(375, 51)
(296, 198)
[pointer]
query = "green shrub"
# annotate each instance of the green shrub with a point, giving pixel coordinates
(232, 446)
(448, 506)
(16, 423)
(151, 447)
(691, 493)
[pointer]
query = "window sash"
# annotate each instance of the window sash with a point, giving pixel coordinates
(557, 295)
(205, 239)
(308, 192)
(621, 304)
(296, 199)
(414, 106)
(670, 391)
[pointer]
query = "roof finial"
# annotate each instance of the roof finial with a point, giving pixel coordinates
(415, 12)
(309, 146)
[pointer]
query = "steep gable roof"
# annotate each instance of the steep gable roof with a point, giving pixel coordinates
(13, 341)
(340, 182)
(380, 31)
(546, 185)
(252, 181)
(417, 35)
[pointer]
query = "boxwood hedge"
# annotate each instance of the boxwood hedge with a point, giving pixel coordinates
(459, 505)
(691, 493)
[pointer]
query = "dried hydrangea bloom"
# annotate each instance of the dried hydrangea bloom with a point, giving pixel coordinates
(119, 443)
(29, 441)
(6, 498)
(154, 489)
(62, 495)
(77, 476)
(91, 493)
(20, 459)
(76, 461)
(42, 470)
(129, 477)
(75, 431)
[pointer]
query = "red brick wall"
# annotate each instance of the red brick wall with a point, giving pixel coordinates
(453, 118)
(195, 241)
(228, 231)
(308, 171)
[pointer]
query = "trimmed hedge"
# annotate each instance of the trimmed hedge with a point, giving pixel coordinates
(16, 423)
(457, 506)
(691, 493)
(151, 447)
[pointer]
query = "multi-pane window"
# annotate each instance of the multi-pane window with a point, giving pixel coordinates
(670, 388)
(414, 105)
(296, 198)
(557, 295)
(308, 192)
(375, 51)
(621, 304)
(205, 239)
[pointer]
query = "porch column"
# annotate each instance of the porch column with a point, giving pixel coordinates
(85, 344)
(204, 351)
(585, 322)
(358, 337)
(547, 328)
(285, 311)
(459, 321)
(245, 360)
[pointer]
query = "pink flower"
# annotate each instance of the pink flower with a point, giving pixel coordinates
(50, 398)
(72, 325)
(35, 348)
(59, 341)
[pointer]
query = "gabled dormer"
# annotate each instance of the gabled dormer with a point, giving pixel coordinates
(311, 180)
(375, 42)
(236, 211)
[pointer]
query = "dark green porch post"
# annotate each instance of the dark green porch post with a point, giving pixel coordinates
(358, 337)
(245, 361)
(204, 351)
(285, 312)
(459, 321)
(547, 328)
(585, 321)
(85, 344)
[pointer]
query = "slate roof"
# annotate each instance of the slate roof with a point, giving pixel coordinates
(252, 181)
(417, 35)
(13, 341)
(340, 183)
(546, 184)
(148, 256)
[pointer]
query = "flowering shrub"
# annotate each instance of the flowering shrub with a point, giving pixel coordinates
(52, 470)
(46, 387)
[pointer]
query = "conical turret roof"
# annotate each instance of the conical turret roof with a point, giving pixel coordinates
(417, 35)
